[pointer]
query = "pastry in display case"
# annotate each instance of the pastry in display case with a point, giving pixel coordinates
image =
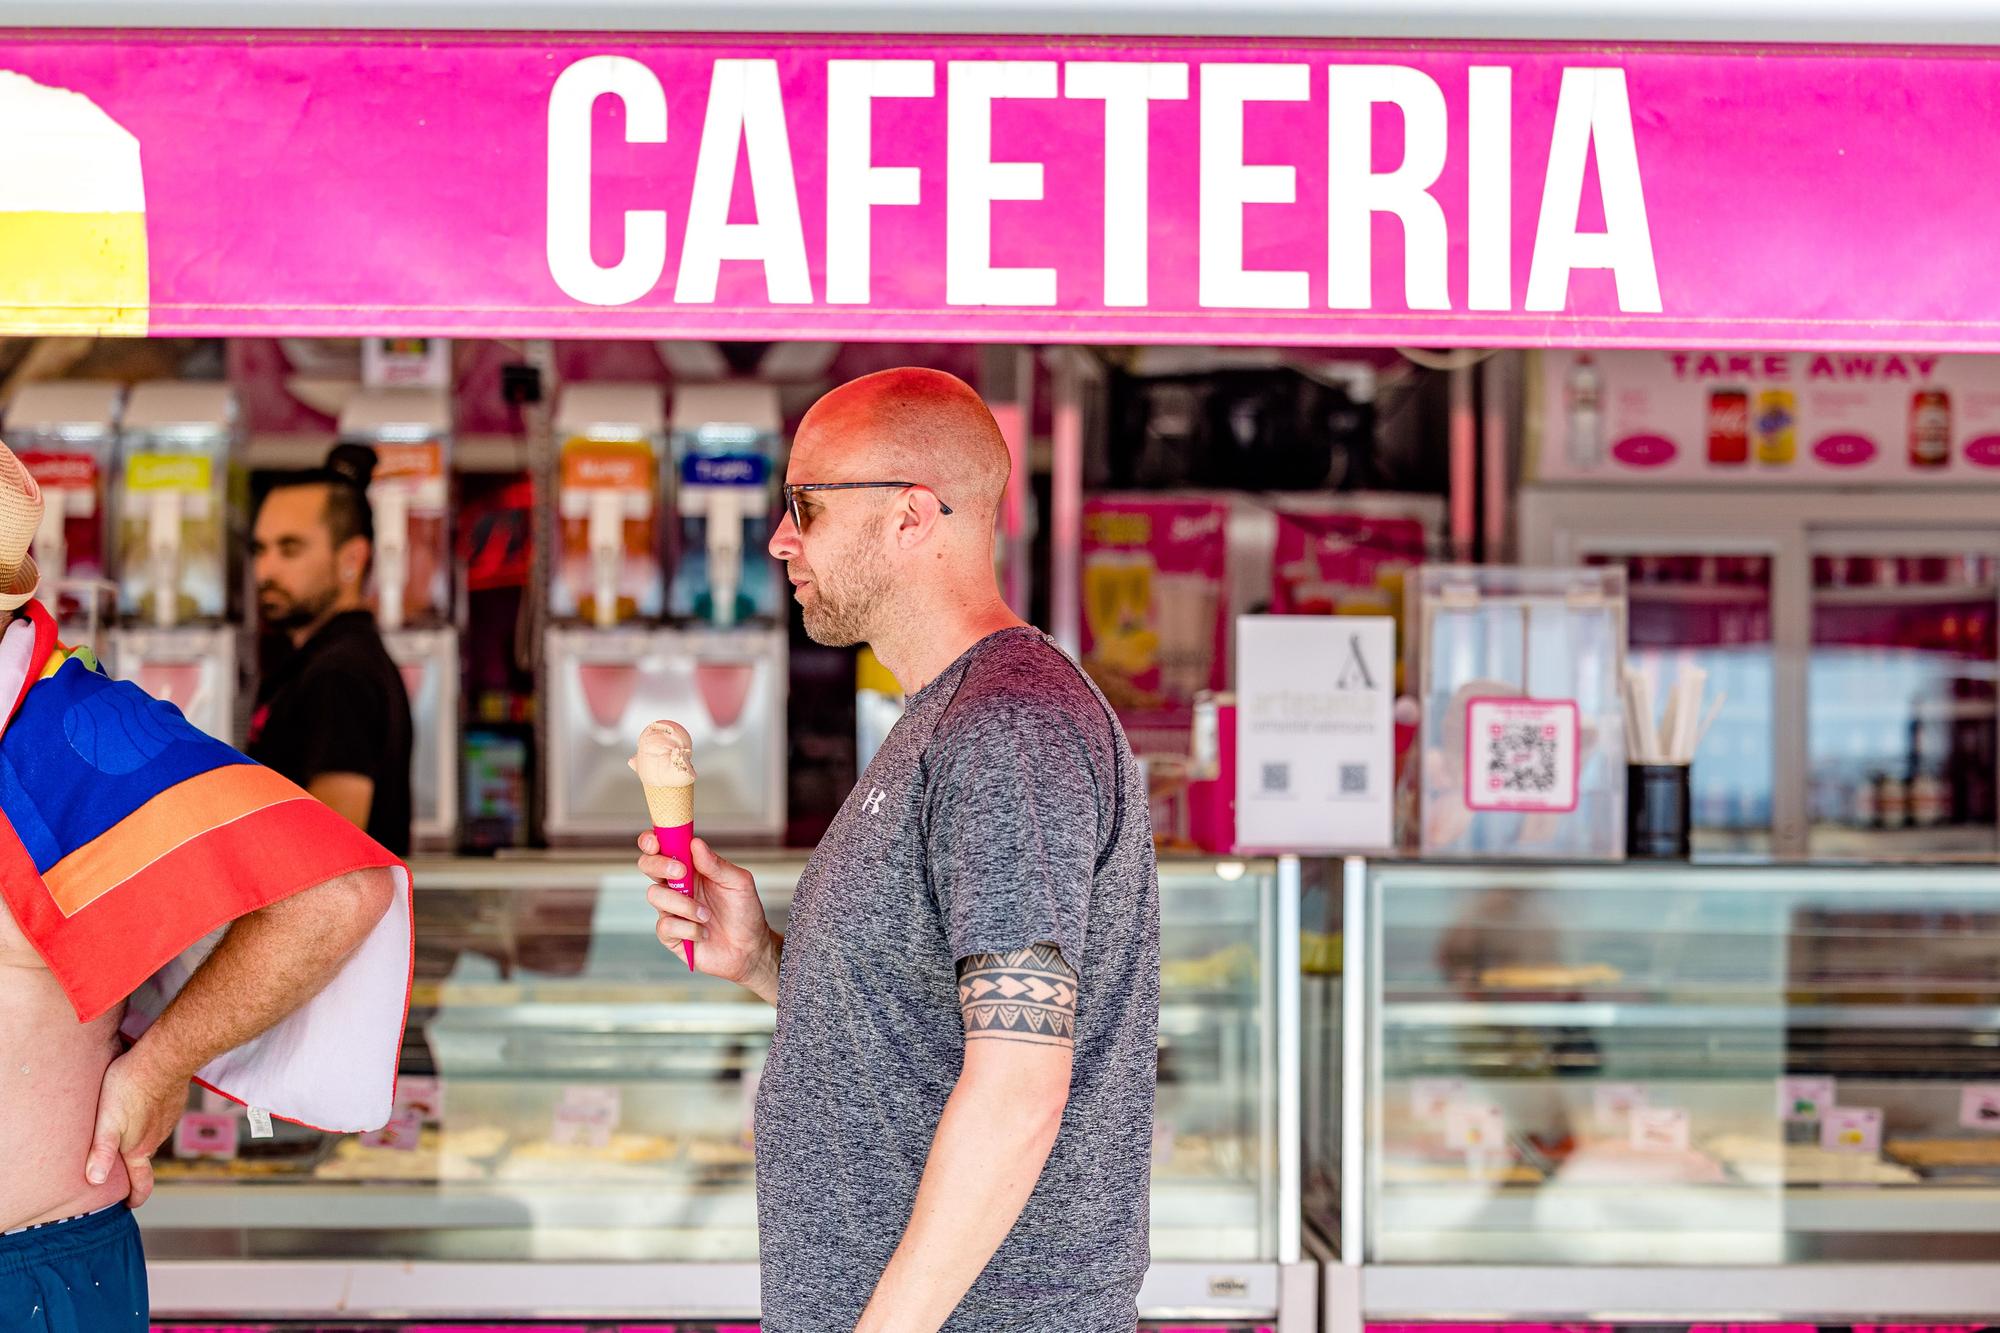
(572, 1097)
(1700, 1065)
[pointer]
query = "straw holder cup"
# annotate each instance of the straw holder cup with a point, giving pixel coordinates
(1657, 805)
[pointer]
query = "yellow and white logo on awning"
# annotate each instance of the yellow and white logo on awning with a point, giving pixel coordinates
(72, 215)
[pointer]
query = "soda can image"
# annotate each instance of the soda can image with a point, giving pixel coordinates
(1777, 424)
(1729, 427)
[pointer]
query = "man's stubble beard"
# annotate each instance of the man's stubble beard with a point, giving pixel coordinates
(300, 613)
(849, 615)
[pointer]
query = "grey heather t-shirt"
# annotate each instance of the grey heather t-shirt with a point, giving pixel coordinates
(1003, 811)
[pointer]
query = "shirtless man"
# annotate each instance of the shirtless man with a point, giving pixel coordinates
(79, 1121)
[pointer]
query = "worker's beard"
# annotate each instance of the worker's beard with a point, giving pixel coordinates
(280, 611)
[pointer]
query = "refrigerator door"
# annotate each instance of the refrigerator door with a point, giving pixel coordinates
(1901, 726)
(1708, 605)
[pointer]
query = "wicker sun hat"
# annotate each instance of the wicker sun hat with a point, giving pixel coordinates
(20, 515)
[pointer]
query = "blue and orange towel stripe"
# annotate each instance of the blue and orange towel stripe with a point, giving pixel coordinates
(176, 817)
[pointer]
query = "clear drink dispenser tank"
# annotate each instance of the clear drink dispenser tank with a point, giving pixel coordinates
(410, 432)
(725, 441)
(66, 434)
(175, 447)
(170, 490)
(607, 568)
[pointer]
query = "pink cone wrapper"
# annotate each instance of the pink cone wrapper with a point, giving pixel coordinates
(678, 842)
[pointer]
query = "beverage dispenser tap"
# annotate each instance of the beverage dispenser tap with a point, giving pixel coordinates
(608, 481)
(163, 555)
(392, 553)
(719, 502)
(606, 537)
(725, 442)
(409, 430)
(51, 548)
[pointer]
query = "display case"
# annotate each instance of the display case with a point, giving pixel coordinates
(574, 1134)
(1694, 1091)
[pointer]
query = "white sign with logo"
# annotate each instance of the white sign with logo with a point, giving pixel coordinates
(406, 363)
(1740, 418)
(1315, 740)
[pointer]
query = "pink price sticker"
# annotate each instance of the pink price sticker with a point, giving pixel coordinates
(1855, 1129)
(1431, 1099)
(403, 1132)
(210, 1135)
(1475, 1128)
(1805, 1099)
(1617, 1101)
(1979, 1107)
(1521, 755)
(422, 1096)
(1661, 1129)
(586, 1117)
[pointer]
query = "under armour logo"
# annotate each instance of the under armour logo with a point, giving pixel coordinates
(873, 805)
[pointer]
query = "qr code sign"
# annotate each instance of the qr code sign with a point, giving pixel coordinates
(1354, 779)
(1521, 754)
(1277, 779)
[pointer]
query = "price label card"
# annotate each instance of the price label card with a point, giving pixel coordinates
(204, 1134)
(1661, 1129)
(586, 1117)
(1803, 1099)
(422, 1096)
(1855, 1129)
(1617, 1101)
(1475, 1128)
(1431, 1099)
(1979, 1107)
(403, 1132)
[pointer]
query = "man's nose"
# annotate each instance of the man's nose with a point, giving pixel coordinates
(785, 539)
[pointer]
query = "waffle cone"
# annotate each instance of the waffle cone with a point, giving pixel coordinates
(671, 806)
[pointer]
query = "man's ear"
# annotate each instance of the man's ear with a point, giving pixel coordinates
(916, 512)
(352, 559)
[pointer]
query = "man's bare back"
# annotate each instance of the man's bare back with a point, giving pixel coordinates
(51, 1068)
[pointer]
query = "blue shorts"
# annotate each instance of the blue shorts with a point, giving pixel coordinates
(87, 1275)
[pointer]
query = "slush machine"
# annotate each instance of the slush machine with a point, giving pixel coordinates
(66, 435)
(414, 585)
(612, 667)
(170, 494)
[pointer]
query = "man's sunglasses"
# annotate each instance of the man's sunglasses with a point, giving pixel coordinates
(792, 494)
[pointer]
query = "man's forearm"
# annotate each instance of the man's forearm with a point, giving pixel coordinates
(983, 1165)
(268, 964)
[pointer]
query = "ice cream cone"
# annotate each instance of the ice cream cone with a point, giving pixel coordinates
(665, 765)
(671, 806)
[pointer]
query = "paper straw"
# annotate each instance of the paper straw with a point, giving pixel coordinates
(1693, 685)
(1714, 711)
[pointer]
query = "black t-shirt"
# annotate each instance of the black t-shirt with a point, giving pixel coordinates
(338, 705)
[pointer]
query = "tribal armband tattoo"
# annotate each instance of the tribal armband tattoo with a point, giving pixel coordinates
(1026, 995)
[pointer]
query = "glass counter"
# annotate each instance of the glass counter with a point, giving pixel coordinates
(578, 1103)
(1783, 1068)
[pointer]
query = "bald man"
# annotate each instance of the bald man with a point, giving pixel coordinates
(955, 1122)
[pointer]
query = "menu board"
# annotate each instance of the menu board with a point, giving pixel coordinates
(1737, 418)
